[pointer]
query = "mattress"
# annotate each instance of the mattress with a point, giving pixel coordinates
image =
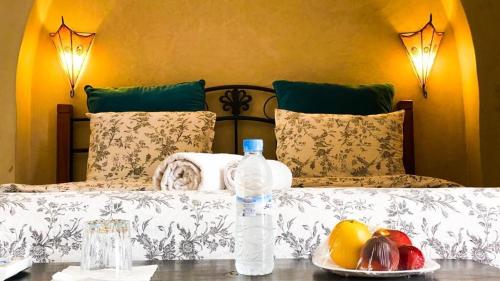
(451, 223)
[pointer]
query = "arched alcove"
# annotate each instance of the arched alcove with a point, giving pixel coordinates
(459, 25)
(250, 42)
(13, 16)
(484, 20)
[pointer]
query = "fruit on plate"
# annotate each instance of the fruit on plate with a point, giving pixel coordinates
(396, 236)
(410, 258)
(379, 254)
(346, 241)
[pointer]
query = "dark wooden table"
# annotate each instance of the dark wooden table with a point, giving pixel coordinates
(289, 270)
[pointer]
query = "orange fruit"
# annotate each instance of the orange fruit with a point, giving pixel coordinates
(346, 241)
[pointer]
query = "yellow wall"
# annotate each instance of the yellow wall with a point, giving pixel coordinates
(484, 20)
(467, 61)
(24, 81)
(13, 16)
(255, 42)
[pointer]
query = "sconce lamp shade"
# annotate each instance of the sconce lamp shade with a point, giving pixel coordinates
(73, 48)
(422, 47)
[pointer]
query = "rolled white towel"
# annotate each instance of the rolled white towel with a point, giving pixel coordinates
(192, 171)
(282, 176)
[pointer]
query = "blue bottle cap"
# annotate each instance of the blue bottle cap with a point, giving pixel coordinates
(253, 145)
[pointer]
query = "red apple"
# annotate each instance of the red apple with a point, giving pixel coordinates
(379, 254)
(410, 257)
(396, 236)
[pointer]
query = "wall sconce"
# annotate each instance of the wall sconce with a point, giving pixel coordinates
(422, 47)
(73, 48)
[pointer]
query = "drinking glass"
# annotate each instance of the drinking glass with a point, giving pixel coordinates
(106, 244)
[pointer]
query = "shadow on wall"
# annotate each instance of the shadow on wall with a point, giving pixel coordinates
(13, 15)
(484, 19)
(253, 42)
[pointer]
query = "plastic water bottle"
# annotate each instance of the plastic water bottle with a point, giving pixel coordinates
(254, 223)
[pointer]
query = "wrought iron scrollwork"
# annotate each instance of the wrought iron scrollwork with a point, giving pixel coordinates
(264, 107)
(236, 101)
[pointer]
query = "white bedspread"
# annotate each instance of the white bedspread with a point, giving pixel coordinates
(455, 223)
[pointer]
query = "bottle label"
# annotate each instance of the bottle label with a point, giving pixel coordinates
(252, 206)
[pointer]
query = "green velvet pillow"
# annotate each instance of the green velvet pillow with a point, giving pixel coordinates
(188, 96)
(332, 98)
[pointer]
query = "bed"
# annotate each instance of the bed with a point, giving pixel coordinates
(450, 223)
(46, 221)
(235, 104)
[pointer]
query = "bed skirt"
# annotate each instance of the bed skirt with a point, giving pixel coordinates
(450, 223)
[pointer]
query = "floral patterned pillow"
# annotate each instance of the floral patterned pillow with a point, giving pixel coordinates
(130, 145)
(321, 145)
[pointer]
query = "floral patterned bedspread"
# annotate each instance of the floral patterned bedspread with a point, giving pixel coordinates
(452, 223)
(143, 185)
(412, 181)
(111, 185)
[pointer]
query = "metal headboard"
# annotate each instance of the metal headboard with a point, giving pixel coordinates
(234, 99)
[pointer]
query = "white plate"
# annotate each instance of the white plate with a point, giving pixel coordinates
(321, 258)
